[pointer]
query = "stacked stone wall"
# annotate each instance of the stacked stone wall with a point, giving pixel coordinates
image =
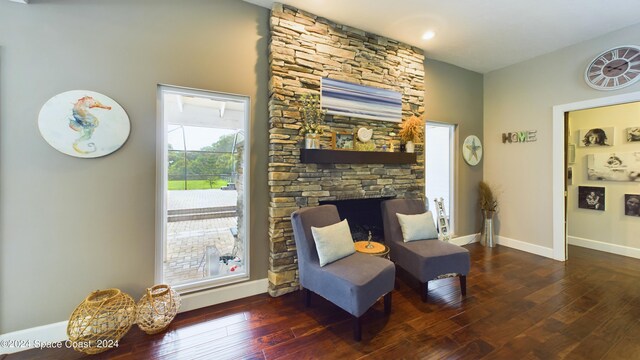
(303, 49)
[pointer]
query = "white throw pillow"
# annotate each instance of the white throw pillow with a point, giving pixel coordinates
(417, 227)
(333, 242)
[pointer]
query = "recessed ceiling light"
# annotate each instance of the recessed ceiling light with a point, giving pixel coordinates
(428, 35)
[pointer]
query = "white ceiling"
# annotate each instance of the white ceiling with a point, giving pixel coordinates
(479, 35)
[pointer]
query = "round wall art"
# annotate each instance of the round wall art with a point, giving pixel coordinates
(84, 124)
(472, 150)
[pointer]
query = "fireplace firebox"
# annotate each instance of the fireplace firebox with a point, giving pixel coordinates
(363, 214)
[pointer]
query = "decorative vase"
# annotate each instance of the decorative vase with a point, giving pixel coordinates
(486, 238)
(312, 141)
(411, 147)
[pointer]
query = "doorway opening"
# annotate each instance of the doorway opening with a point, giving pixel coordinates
(439, 169)
(203, 147)
(560, 166)
(603, 197)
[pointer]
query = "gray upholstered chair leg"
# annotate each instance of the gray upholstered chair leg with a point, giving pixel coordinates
(424, 290)
(387, 303)
(357, 328)
(307, 297)
(463, 285)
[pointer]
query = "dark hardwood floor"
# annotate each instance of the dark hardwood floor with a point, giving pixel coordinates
(518, 306)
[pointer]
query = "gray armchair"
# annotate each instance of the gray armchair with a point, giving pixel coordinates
(354, 283)
(423, 259)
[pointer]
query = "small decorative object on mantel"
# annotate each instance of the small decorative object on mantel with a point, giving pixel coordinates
(157, 308)
(364, 134)
(312, 120)
(101, 320)
(343, 140)
(392, 145)
(488, 205)
(363, 142)
(83, 124)
(411, 130)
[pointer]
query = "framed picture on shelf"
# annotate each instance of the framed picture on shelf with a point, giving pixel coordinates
(343, 140)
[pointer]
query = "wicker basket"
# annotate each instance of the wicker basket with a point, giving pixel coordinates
(101, 320)
(157, 308)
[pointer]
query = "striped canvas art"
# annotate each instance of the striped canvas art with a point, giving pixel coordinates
(353, 100)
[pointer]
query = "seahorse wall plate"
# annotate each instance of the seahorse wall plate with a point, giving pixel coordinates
(84, 124)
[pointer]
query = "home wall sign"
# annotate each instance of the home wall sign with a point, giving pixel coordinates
(366, 102)
(520, 136)
(84, 124)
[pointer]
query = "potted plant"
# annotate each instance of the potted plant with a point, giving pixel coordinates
(312, 120)
(411, 131)
(488, 205)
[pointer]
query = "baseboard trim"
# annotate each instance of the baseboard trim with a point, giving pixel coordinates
(466, 239)
(606, 247)
(223, 294)
(57, 332)
(525, 246)
(33, 337)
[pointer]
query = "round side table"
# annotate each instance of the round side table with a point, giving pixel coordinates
(377, 248)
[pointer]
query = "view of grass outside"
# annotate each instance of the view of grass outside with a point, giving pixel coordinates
(197, 184)
(210, 167)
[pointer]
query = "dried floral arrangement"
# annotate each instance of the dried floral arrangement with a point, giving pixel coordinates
(487, 200)
(411, 129)
(312, 114)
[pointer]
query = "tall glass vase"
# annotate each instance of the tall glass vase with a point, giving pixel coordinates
(487, 236)
(311, 141)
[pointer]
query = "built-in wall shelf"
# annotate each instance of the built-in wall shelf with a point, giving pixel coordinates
(319, 156)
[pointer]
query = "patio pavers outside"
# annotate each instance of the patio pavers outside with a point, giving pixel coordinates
(198, 199)
(187, 241)
(186, 247)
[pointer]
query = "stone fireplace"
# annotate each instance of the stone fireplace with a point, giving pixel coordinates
(303, 49)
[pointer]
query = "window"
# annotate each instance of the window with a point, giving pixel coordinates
(439, 139)
(203, 233)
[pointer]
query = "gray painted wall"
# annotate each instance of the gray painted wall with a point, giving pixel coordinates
(454, 96)
(69, 226)
(521, 97)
